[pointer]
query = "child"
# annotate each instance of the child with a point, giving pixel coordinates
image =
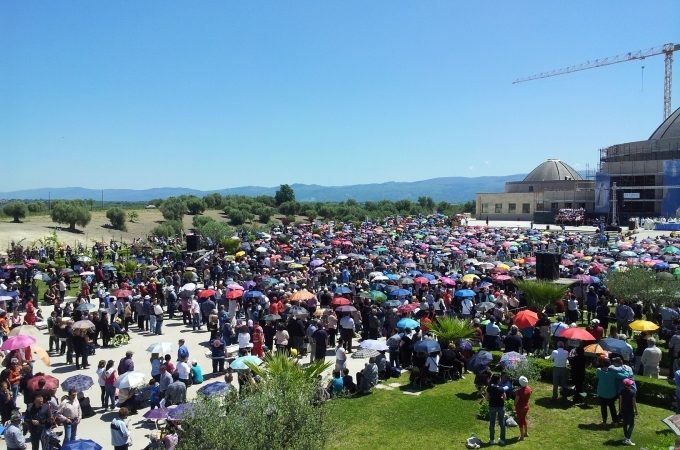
(196, 373)
(154, 398)
(628, 410)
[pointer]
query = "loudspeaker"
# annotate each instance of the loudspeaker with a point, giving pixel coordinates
(547, 266)
(192, 242)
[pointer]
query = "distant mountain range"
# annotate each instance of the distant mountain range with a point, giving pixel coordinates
(450, 189)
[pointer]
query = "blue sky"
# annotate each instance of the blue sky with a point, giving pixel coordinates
(213, 94)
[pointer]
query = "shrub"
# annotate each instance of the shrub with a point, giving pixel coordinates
(216, 231)
(16, 210)
(117, 218)
(540, 293)
(199, 221)
(448, 329)
(133, 216)
(173, 209)
(36, 207)
(284, 194)
(195, 205)
(238, 216)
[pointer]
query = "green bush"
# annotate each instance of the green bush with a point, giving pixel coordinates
(173, 209)
(195, 205)
(200, 221)
(117, 218)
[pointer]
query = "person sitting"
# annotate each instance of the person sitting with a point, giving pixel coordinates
(347, 382)
(368, 377)
(513, 341)
(450, 365)
(336, 385)
(196, 373)
(383, 366)
(482, 379)
(431, 372)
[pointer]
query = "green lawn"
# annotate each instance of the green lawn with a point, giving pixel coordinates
(444, 417)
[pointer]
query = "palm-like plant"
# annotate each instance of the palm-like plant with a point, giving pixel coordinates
(448, 329)
(539, 293)
(280, 366)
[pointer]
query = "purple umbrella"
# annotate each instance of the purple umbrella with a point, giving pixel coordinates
(157, 413)
(179, 412)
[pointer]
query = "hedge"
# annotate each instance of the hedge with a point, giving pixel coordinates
(651, 391)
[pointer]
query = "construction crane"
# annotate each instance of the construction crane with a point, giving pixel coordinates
(666, 50)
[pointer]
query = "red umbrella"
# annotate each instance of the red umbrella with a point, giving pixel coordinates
(408, 308)
(120, 293)
(205, 293)
(234, 294)
(525, 319)
(502, 277)
(576, 333)
(339, 301)
(50, 382)
(421, 280)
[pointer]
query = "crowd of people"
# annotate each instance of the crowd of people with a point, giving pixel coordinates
(320, 289)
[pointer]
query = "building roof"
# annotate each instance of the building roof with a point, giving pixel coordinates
(552, 170)
(670, 128)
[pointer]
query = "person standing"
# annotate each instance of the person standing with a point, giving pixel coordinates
(559, 357)
(347, 331)
(607, 384)
(340, 356)
(321, 342)
(158, 313)
(650, 359)
(70, 415)
(496, 398)
(14, 435)
(522, 396)
(37, 416)
(120, 436)
(628, 410)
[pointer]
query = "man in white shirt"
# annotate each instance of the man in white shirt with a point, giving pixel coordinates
(347, 331)
(650, 359)
(195, 311)
(183, 372)
(559, 358)
(466, 307)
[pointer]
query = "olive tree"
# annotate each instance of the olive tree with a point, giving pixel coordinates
(117, 218)
(16, 210)
(70, 213)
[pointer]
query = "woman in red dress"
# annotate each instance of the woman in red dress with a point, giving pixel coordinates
(522, 396)
(258, 341)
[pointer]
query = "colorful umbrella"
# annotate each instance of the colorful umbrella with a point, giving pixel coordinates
(81, 444)
(179, 412)
(207, 293)
(525, 319)
(216, 388)
(643, 325)
(407, 323)
(345, 308)
(17, 342)
(26, 330)
(83, 325)
(77, 382)
(157, 414)
(50, 382)
(577, 333)
(512, 359)
(232, 295)
(121, 293)
(162, 348)
(340, 301)
(240, 362)
(594, 350)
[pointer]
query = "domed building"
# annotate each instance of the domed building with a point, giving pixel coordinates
(553, 185)
(645, 174)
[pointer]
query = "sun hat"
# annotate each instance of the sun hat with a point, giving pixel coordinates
(523, 381)
(628, 382)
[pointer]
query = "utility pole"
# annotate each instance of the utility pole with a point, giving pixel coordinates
(102, 199)
(614, 218)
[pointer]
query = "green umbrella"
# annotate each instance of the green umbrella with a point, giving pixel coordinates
(378, 296)
(673, 250)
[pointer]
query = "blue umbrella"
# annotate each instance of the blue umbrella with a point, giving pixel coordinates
(426, 346)
(400, 293)
(464, 293)
(240, 362)
(429, 276)
(253, 294)
(77, 382)
(407, 323)
(393, 276)
(216, 388)
(392, 303)
(414, 273)
(479, 361)
(617, 346)
(81, 444)
(13, 294)
(464, 345)
(87, 307)
(342, 290)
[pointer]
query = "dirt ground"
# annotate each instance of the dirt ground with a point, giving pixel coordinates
(34, 228)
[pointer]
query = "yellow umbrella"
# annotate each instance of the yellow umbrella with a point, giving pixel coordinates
(503, 266)
(469, 278)
(40, 353)
(595, 349)
(240, 253)
(643, 325)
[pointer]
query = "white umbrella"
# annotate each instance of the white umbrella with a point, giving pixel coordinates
(189, 287)
(261, 249)
(130, 380)
(162, 348)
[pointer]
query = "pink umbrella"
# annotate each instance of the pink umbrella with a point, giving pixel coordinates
(448, 281)
(502, 277)
(235, 286)
(18, 342)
